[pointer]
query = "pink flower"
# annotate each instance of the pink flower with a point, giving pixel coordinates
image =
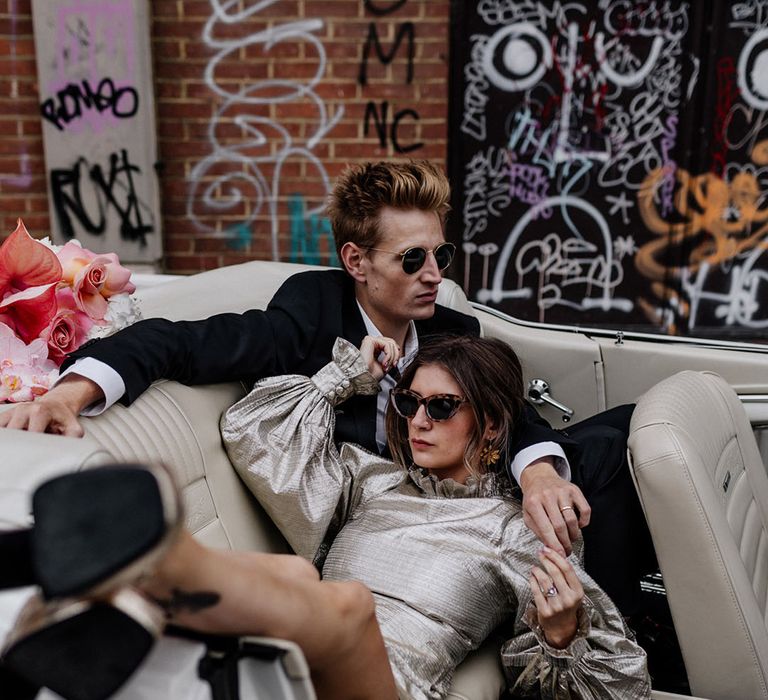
(93, 278)
(25, 370)
(69, 328)
(29, 272)
(26, 263)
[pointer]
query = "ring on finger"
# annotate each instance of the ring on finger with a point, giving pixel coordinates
(551, 591)
(564, 508)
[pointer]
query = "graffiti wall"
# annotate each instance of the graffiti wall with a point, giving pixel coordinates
(322, 85)
(608, 160)
(97, 110)
(252, 168)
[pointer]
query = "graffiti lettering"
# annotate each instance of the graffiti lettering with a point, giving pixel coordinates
(571, 271)
(720, 223)
(307, 234)
(638, 154)
(749, 16)
(666, 78)
(486, 190)
(708, 205)
(113, 189)
(373, 8)
(647, 19)
(372, 112)
(528, 184)
(251, 170)
(667, 144)
(496, 12)
(743, 127)
(406, 29)
(528, 138)
(71, 101)
(727, 93)
(740, 303)
(380, 121)
(560, 264)
(475, 93)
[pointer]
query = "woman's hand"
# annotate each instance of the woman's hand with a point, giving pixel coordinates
(380, 354)
(558, 595)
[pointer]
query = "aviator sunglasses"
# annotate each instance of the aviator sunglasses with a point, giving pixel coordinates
(414, 258)
(438, 406)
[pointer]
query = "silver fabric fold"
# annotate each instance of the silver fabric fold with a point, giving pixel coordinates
(447, 563)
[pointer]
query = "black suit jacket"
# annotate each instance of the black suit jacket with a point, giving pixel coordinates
(294, 335)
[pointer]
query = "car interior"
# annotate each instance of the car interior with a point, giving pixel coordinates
(698, 449)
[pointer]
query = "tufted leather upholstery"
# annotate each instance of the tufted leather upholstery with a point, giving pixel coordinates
(705, 493)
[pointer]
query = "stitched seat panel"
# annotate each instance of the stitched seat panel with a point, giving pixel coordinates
(705, 492)
(154, 429)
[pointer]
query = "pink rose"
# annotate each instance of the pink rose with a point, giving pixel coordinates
(69, 328)
(93, 278)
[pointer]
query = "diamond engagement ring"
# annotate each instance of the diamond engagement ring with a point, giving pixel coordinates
(551, 591)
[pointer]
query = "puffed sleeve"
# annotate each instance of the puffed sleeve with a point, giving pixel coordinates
(280, 440)
(602, 661)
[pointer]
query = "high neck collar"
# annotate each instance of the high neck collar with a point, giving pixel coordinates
(482, 486)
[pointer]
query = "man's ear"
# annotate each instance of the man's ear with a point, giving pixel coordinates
(353, 258)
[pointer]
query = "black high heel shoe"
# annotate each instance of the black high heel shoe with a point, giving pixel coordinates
(101, 528)
(83, 649)
(95, 533)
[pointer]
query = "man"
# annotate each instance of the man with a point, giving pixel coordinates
(388, 226)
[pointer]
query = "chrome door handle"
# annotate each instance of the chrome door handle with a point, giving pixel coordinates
(538, 393)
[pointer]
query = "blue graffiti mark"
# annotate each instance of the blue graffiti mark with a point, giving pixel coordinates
(307, 234)
(238, 236)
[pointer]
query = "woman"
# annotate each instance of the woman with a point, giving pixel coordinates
(437, 537)
(441, 545)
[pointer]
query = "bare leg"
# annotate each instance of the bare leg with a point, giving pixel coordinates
(281, 596)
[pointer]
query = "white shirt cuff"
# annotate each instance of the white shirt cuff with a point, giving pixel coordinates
(109, 381)
(538, 451)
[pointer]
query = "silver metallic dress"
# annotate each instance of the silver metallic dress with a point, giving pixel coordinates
(447, 563)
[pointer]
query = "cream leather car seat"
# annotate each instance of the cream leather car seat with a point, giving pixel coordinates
(704, 490)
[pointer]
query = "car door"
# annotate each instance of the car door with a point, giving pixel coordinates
(588, 370)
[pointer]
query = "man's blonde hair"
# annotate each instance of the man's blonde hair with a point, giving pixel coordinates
(362, 191)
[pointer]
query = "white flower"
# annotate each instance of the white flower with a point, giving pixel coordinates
(122, 310)
(48, 243)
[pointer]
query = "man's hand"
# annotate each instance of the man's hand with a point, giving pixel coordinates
(57, 411)
(555, 509)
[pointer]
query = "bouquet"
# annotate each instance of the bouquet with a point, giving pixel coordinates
(53, 299)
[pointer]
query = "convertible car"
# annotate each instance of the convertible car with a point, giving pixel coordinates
(698, 449)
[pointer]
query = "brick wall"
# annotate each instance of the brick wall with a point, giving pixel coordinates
(256, 114)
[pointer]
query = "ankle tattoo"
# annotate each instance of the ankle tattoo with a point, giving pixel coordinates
(187, 601)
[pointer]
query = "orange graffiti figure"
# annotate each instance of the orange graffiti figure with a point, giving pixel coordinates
(726, 216)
